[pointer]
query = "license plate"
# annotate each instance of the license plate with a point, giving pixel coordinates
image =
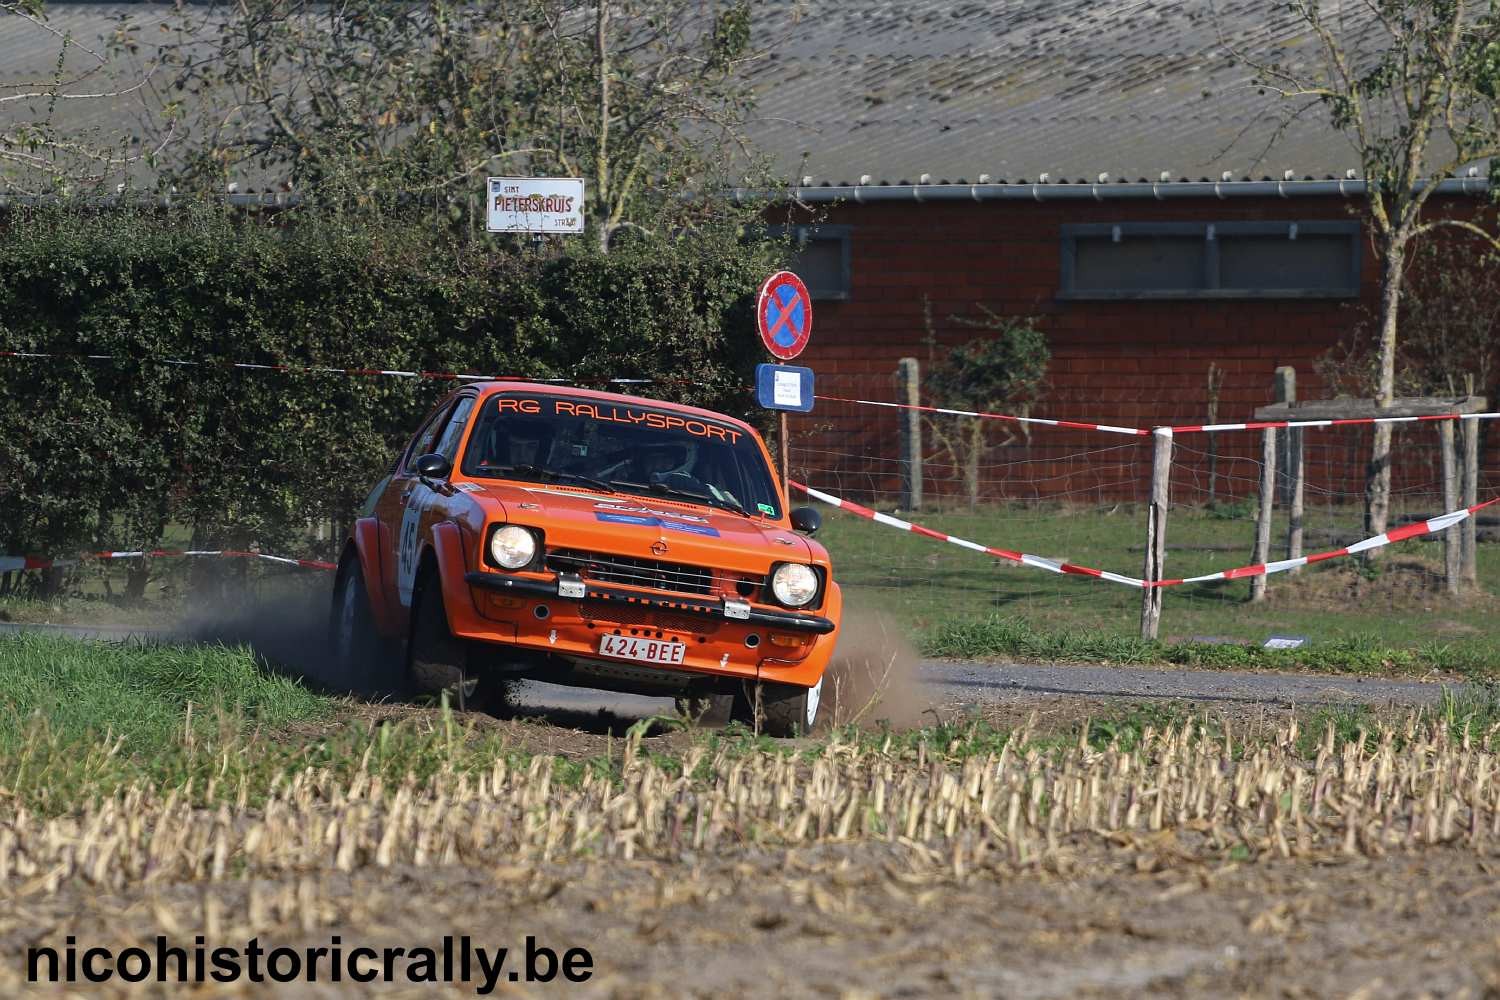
(629, 647)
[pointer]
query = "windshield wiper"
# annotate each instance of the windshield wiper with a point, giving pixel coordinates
(578, 477)
(554, 475)
(690, 495)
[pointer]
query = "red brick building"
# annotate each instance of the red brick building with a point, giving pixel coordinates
(1108, 167)
(1139, 287)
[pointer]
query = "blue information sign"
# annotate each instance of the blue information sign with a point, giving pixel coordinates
(784, 387)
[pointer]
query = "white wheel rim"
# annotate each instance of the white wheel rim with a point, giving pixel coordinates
(814, 694)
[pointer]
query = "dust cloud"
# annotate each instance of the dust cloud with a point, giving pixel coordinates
(873, 677)
(285, 622)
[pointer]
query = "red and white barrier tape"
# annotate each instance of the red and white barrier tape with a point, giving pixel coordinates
(1254, 425)
(445, 376)
(1265, 425)
(9, 564)
(319, 370)
(1008, 418)
(1429, 526)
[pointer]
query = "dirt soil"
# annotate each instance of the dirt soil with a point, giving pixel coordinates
(1129, 916)
(875, 920)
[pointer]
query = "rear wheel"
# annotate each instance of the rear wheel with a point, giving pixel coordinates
(438, 662)
(365, 662)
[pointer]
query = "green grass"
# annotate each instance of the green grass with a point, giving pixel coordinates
(138, 691)
(1015, 637)
(79, 718)
(941, 593)
(85, 719)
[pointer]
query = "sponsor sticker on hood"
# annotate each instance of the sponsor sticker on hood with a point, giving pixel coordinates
(647, 521)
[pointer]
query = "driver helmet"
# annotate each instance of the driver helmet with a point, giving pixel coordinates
(665, 458)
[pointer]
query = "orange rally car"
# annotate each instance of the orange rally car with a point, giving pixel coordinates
(592, 539)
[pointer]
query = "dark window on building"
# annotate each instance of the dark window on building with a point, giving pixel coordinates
(820, 257)
(1192, 260)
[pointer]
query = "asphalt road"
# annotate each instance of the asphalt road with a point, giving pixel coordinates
(977, 683)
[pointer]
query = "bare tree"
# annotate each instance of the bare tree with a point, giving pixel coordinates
(359, 99)
(1005, 368)
(1450, 330)
(1414, 85)
(39, 153)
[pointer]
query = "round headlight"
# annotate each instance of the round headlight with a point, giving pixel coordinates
(794, 584)
(513, 546)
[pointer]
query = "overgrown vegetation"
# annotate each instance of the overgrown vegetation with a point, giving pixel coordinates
(1450, 340)
(103, 454)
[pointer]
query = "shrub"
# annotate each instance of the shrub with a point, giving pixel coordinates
(101, 454)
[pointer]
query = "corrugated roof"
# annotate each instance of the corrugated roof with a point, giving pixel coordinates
(931, 91)
(1017, 88)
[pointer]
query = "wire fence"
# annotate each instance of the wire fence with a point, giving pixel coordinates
(1074, 496)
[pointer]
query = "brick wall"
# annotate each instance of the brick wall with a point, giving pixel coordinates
(1133, 363)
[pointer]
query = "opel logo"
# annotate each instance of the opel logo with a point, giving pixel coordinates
(659, 547)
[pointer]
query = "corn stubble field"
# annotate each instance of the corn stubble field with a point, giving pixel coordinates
(1201, 856)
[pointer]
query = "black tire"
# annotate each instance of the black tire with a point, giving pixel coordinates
(363, 660)
(438, 662)
(785, 711)
(706, 709)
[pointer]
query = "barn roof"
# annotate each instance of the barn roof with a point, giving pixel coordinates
(1014, 89)
(922, 92)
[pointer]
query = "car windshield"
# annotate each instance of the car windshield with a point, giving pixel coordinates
(621, 447)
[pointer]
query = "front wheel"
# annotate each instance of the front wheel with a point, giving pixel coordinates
(788, 710)
(706, 709)
(438, 662)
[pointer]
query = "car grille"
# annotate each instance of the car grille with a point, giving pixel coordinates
(647, 573)
(634, 614)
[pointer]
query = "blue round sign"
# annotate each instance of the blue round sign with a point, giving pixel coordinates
(784, 315)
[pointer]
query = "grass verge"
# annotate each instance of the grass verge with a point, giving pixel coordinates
(83, 720)
(1009, 636)
(79, 718)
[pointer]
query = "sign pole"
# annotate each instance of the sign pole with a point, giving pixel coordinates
(783, 315)
(786, 470)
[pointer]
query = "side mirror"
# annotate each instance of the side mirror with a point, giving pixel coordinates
(432, 466)
(806, 520)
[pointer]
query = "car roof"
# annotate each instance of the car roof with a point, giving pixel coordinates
(490, 388)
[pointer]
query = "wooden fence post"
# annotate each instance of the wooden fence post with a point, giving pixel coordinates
(1453, 537)
(1470, 568)
(1294, 466)
(1284, 390)
(909, 392)
(1156, 532)
(1262, 553)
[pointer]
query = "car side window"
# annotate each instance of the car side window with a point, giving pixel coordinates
(453, 431)
(421, 444)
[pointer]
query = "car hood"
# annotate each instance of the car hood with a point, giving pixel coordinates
(646, 527)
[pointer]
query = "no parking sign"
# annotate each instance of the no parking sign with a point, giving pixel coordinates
(783, 312)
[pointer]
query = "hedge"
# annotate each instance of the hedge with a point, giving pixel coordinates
(110, 454)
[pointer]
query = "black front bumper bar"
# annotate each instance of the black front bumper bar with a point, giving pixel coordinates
(708, 609)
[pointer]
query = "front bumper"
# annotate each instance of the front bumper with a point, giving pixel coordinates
(558, 587)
